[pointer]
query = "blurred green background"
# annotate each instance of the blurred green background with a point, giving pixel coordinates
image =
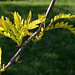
(54, 54)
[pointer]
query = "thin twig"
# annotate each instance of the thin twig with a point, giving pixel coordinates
(50, 7)
(29, 39)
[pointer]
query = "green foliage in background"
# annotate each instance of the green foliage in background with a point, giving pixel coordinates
(41, 0)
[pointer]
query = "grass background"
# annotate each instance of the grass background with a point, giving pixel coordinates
(52, 55)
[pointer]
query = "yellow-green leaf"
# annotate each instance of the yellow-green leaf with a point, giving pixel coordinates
(1, 29)
(0, 56)
(19, 29)
(17, 20)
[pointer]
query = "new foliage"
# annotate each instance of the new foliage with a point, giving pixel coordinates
(21, 27)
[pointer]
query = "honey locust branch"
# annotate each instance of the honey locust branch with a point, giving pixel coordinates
(29, 39)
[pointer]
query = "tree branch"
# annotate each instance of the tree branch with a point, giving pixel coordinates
(29, 39)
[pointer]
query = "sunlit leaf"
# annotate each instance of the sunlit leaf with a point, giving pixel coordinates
(0, 56)
(20, 28)
(1, 69)
(62, 24)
